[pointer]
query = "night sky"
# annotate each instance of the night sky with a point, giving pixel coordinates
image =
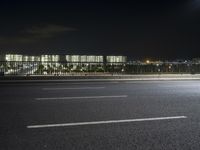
(157, 29)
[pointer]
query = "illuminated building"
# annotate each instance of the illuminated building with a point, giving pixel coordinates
(13, 57)
(116, 59)
(50, 58)
(84, 58)
(57, 64)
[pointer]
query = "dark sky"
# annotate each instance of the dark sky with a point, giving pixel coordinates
(161, 29)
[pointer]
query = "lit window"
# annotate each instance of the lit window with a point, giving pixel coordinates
(116, 59)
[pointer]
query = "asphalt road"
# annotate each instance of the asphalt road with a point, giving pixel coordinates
(116, 115)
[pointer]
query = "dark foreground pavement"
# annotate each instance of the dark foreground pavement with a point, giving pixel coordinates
(28, 104)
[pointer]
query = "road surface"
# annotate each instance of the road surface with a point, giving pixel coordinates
(115, 115)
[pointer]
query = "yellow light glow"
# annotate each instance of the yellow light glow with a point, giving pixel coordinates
(147, 61)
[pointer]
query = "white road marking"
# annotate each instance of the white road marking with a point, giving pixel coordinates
(105, 122)
(74, 88)
(83, 97)
(179, 86)
(93, 82)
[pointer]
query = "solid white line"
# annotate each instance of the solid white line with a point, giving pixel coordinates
(74, 88)
(105, 122)
(83, 97)
(93, 82)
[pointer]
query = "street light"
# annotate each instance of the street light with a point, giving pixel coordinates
(147, 61)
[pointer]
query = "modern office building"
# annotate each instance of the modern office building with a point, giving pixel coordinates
(68, 58)
(84, 58)
(18, 58)
(116, 59)
(19, 64)
(48, 64)
(49, 58)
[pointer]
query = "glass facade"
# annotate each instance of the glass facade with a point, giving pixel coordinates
(13, 57)
(116, 59)
(31, 58)
(60, 64)
(72, 58)
(84, 58)
(68, 58)
(94, 58)
(49, 58)
(20, 58)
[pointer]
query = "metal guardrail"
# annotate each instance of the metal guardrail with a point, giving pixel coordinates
(68, 68)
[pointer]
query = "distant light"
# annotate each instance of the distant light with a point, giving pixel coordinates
(147, 61)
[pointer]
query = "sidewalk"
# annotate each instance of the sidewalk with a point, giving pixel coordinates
(9, 79)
